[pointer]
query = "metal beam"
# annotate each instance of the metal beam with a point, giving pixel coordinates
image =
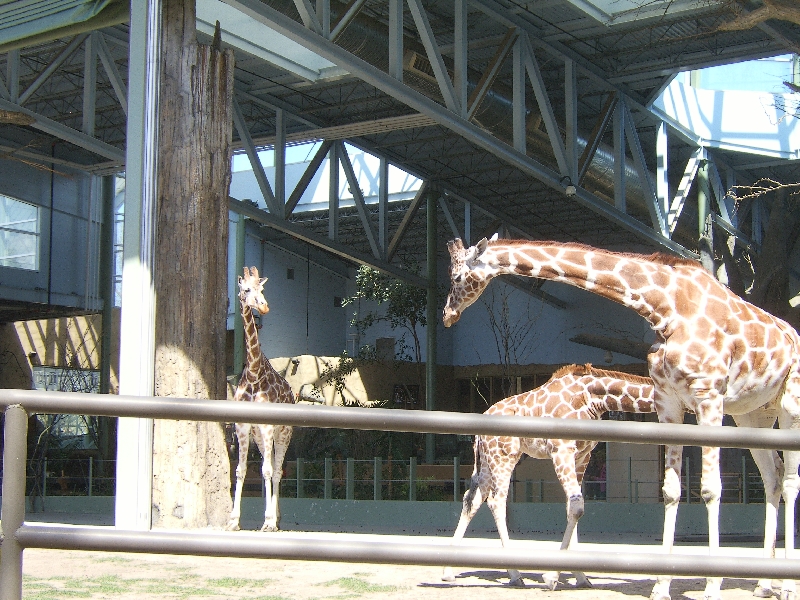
(571, 118)
(460, 53)
(112, 72)
(308, 175)
(662, 169)
(333, 193)
(396, 39)
(263, 13)
(545, 107)
(434, 55)
(358, 198)
(335, 248)
(68, 50)
(68, 134)
(448, 215)
(682, 193)
(600, 127)
(645, 181)
(255, 162)
(308, 15)
(279, 150)
(12, 75)
(406, 222)
(490, 74)
(350, 13)
(89, 84)
(518, 107)
(383, 207)
(619, 154)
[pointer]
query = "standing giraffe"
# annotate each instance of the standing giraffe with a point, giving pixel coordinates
(259, 383)
(714, 353)
(573, 392)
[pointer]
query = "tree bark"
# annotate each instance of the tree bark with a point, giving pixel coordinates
(191, 468)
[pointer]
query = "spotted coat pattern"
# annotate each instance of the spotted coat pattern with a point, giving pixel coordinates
(573, 392)
(259, 383)
(715, 353)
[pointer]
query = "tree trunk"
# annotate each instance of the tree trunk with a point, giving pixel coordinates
(191, 468)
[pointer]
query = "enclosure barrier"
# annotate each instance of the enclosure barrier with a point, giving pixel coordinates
(17, 535)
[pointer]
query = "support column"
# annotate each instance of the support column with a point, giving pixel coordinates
(12, 513)
(238, 325)
(106, 279)
(432, 321)
(137, 329)
(704, 228)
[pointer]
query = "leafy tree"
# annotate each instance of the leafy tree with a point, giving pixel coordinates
(405, 306)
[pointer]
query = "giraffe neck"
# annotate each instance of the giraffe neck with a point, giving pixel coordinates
(637, 282)
(254, 357)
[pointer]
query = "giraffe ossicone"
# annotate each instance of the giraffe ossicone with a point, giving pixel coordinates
(715, 353)
(573, 392)
(259, 382)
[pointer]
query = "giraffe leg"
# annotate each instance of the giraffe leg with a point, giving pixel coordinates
(581, 462)
(497, 504)
(672, 497)
(473, 498)
(709, 412)
(243, 437)
(264, 436)
(771, 468)
(283, 436)
(566, 464)
(789, 418)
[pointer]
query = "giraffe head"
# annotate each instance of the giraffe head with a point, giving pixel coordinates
(466, 283)
(251, 290)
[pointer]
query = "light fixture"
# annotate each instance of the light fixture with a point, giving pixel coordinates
(569, 188)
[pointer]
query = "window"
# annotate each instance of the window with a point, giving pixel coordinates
(19, 234)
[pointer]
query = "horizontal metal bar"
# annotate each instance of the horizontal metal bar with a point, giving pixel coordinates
(210, 543)
(38, 401)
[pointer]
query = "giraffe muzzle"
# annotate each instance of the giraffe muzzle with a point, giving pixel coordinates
(450, 316)
(262, 308)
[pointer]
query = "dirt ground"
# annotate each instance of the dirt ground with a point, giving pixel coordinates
(52, 574)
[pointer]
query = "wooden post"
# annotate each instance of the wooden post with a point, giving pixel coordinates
(191, 469)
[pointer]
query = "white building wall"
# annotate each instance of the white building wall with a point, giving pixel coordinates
(302, 317)
(548, 340)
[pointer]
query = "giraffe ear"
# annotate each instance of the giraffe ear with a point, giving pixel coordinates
(494, 237)
(481, 246)
(262, 281)
(246, 271)
(239, 281)
(254, 272)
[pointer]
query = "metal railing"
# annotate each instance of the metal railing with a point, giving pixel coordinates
(18, 535)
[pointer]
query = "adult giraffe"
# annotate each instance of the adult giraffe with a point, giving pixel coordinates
(714, 353)
(573, 392)
(259, 383)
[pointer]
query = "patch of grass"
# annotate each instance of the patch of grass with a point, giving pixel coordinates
(360, 586)
(235, 582)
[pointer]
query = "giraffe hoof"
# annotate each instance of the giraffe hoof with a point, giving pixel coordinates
(762, 592)
(659, 596)
(448, 577)
(788, 595)
(550, 580)
(232, 526)
(583, 584)
(518, 582)
(269, 528)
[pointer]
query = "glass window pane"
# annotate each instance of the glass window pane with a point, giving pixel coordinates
(19, 234)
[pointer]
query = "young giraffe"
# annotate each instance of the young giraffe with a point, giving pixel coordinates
(573, 392)
(714, 353)
(259, 383)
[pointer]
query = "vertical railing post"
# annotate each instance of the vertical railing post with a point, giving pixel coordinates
(630, 479)
(412, 478)
(745, 484)
(328, 485)
(528, 490)
(349, 484)
(12, 512)
(541, 490)
(376, 479)
(44, 482)
(456, 478)
(299, 471)
(90, 477)
(688, 482)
